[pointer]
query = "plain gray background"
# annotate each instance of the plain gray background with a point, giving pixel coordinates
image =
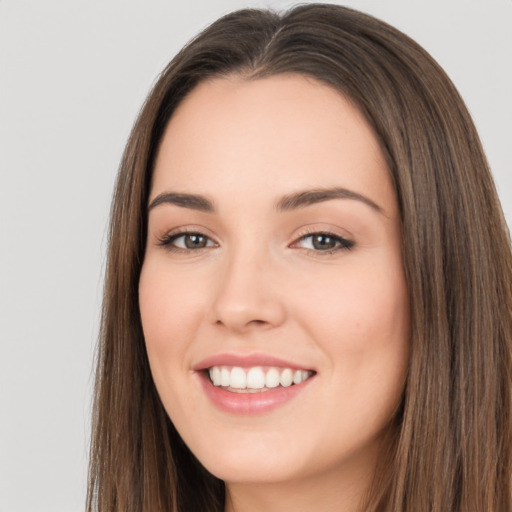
(73, 76)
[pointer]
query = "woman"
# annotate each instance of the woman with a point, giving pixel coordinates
(308, 290)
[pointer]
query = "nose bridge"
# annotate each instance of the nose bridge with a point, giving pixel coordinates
(247, 295)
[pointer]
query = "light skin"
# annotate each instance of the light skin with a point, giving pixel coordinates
(316, 279)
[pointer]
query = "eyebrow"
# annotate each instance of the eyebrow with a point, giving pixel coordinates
(192, 201)
(288, 202)
(305, 198)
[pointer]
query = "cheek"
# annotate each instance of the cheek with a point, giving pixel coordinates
(359, 305)
(361, 322)
(171, 310)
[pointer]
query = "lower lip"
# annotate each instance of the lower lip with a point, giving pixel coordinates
(251, 403)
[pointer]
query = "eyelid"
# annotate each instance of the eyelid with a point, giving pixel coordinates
(165, 240)
(345, 243)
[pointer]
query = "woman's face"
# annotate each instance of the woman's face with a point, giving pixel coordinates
(273, 259)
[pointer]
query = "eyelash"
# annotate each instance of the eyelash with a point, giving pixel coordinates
(167, 241)
(341, 243)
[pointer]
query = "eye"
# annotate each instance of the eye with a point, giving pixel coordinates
(324, 242)
(187, 241)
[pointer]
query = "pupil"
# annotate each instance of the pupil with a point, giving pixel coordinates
(323, 242)
(195, 241)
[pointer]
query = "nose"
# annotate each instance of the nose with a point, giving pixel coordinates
(248, 294)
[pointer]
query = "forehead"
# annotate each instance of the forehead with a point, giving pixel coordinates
(234, 136)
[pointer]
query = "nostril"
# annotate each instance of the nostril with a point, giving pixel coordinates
(250, 323)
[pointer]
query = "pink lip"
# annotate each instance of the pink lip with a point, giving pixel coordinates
(250, 403)
(246, 361)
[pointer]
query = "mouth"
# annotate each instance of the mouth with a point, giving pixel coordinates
(256, 379)
(252, 384)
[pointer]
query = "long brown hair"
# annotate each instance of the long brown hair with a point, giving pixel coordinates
(451, 446)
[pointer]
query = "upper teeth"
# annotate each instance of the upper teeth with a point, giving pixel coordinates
(256, 377)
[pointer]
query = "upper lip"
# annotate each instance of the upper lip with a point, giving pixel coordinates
(246, 361)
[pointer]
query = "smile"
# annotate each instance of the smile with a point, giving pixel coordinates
(255, 379)
(248, 384)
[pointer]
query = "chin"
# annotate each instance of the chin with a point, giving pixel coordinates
(252, 457)
(253, 468)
